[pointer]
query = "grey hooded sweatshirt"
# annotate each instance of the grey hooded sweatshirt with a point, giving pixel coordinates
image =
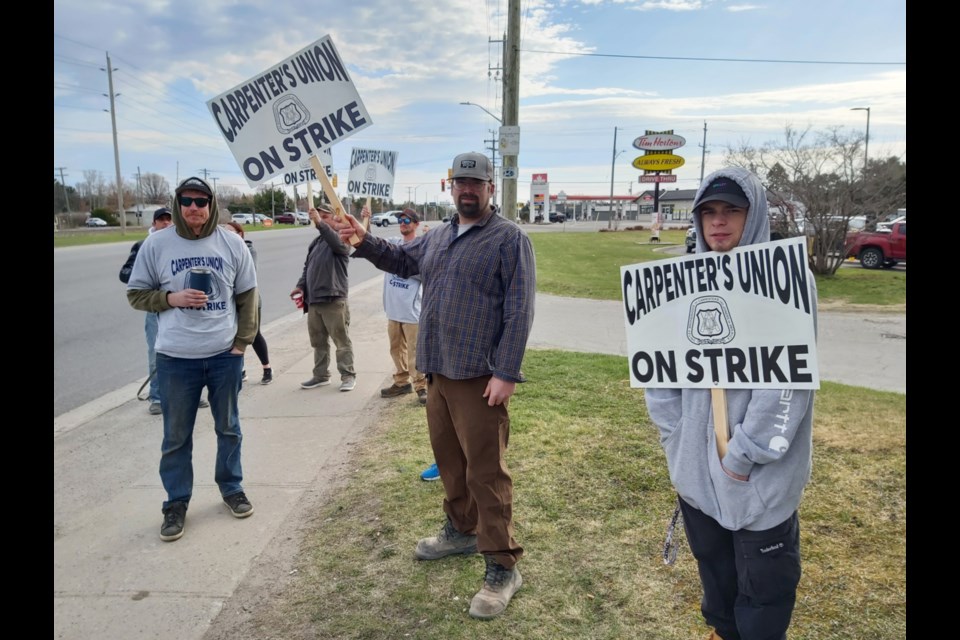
(230, 317)
(771, 429)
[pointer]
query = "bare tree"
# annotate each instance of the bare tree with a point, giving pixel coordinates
(816, 184)
(93, 189)
(228, 195)
(155, 188)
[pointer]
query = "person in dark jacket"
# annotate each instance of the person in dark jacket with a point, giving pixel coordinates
(259, 343)
(161, 220)
(324, 286)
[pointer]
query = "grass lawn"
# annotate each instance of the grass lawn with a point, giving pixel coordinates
(592, 502)
(83, 236)
(587, 265)
(582, 265)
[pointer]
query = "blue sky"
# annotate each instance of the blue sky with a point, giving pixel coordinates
(414, 61)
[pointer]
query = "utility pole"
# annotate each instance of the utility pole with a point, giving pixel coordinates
(494, 142)
(703, 156)
(511, 104)
(63, 184)
(116, 149)
(139, 198)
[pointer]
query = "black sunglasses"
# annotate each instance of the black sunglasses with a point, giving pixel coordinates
(405, 220)
(187, 201)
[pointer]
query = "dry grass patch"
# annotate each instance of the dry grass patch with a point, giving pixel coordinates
(592, 501)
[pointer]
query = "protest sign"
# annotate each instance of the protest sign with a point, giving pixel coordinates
(281, 117)
(742, 319)
(372, 172)
(304, 172)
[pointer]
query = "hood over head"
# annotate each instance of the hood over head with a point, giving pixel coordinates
(757, 227)
(196, 184)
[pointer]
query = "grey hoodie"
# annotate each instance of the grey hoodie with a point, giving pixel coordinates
(771, 429)
(230, 319)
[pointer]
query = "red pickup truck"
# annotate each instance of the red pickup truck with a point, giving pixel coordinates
(877, 249)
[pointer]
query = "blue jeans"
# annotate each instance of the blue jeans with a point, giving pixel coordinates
(150, 329)
(182, 381)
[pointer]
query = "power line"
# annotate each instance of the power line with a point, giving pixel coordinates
(617, 55)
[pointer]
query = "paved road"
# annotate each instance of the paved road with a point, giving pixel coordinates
(98, 341)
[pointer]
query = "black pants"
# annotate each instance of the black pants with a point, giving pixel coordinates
(749, 578)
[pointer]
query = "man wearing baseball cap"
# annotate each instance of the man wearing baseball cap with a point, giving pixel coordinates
(479, 282)
(739, 511)
(324, 285)
(200, 279)
(161, 220)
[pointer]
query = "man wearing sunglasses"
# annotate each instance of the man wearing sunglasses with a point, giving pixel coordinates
(401, 303)
(200, 279)
(479, 282)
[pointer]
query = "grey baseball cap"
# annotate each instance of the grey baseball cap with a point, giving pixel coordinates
(473, 165)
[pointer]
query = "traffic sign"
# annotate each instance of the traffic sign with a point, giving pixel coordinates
(656, 178)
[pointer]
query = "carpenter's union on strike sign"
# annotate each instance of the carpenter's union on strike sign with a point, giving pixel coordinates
(372, 173)
(279, 118)
(743, 319)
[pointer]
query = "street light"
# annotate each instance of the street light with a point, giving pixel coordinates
(613, 166)
(866, 141)
(494, 148)
(414, 201)
(485, 109)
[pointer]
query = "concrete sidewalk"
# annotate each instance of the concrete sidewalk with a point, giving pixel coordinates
(115, 579)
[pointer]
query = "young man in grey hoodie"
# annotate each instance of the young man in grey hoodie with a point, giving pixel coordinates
(200, 279)
(739, 513)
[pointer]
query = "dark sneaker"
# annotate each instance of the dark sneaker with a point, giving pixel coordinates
(422, 396)
(395, 390)
(448, 542)
(313, 383)
(348, 383)
(499, 585)
(267, 376)
(173, 519)
(431, 473)
(204, 403)
(155, 409)
(240, 507)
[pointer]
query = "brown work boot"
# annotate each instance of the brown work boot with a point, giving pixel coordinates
(395, 390)
(448, 542)
(499, 585)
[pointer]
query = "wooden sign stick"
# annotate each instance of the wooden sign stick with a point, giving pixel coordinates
(720, 426)
(366, 221)
(331, 194)
(309, 195)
